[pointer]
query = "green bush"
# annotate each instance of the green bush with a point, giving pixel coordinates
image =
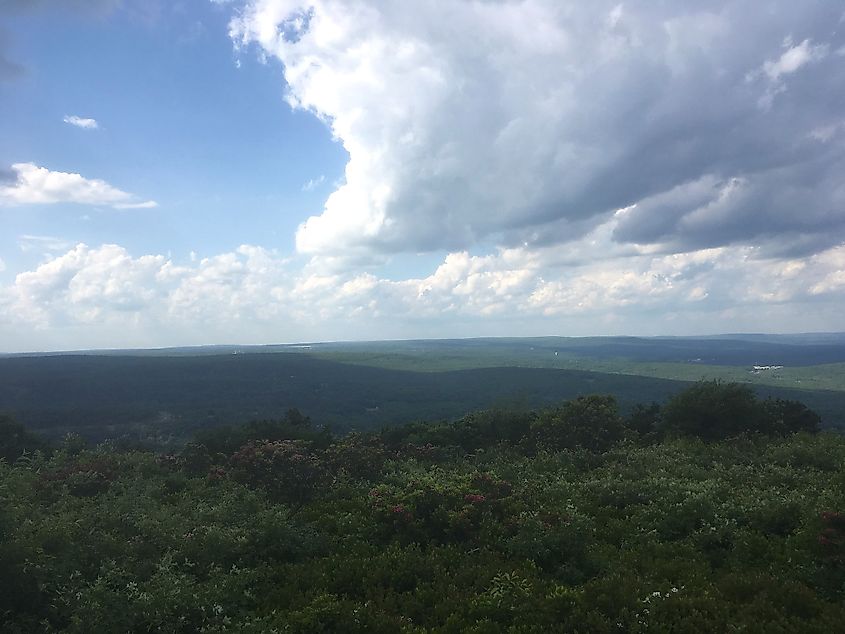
(15, 439)
(713, 410)
(592, 422)
(286, 470)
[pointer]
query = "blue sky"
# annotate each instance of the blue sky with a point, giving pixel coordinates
(289, 170)
(213, 143)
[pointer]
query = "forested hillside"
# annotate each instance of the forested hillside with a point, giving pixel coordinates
(162, 400)
(714, 512)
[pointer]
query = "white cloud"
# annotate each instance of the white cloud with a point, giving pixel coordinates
(36, 185)
(794, 58)
(84, 285)
(790, 61)
(833, 263)
(511, 122)
(106, 296)
(147, 204)
(81, 122)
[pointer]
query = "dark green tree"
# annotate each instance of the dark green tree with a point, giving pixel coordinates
(713, 410)
(15, 439)
(644, 420)
(787, 417)
(591, 421)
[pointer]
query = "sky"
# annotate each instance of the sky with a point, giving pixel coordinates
(270, 171)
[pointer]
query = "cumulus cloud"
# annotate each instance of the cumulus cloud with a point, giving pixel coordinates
(81, 122)
(35, 185)
(761, 209)
(84, 285)
(833, 279)
(106, 285)
(106, 294)
(531, 121)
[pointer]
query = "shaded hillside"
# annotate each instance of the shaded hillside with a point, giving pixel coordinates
(112, 396)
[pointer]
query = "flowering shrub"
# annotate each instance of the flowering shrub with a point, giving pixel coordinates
(285, 469)
(428, 452)
(85, 477)
(437, 507)
(831, 538)
(358, 455)
(195, 459)
(491, 486)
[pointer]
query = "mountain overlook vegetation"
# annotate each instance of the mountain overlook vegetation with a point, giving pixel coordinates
(716, 511)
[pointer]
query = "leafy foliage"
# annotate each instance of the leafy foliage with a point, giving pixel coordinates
(285, 469)
(15, 440)
(714, 410)
(564, 519)
(587, 421)
(292, 426)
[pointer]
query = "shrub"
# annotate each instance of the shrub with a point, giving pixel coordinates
(644, 420)
(592, 422)
(15, 439)
(87, 476)
(713, 410)
(196, 459)
(358, 455)
(788, 417)
(285, 469)
(292, 426)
